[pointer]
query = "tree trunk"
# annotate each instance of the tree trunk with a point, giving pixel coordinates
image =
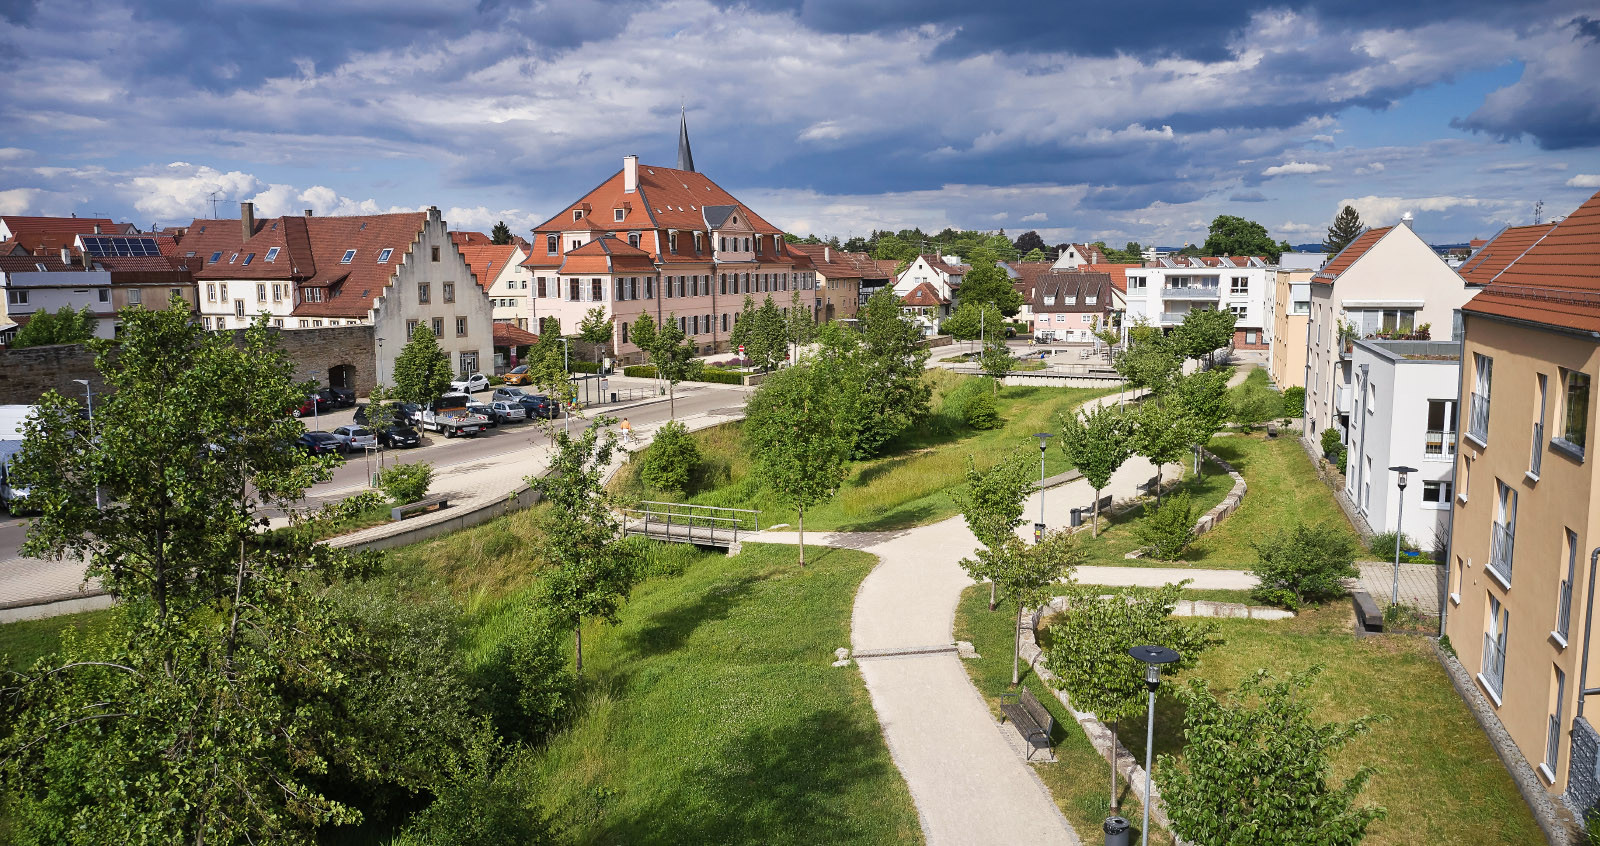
(577, 640)
(672, 401)
(1016, 652)
(1113, 765)
(991, 594)
(1158, 483)
(802, 536)
(1094, 527)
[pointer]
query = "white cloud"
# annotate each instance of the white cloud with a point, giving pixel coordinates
(13, 153)
(1289, 168)
(1384, 211)
(19, 200)
(1584, 180)
(1369, 168)
(482, 219)
(1289, 227)
(181, 190)
(1036, 217)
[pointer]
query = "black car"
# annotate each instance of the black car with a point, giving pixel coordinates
(364, 417)
(399, 437)
(318, 443)
(539, 405)
(338, 397)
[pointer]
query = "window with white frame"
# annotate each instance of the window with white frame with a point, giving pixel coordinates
(552, 245)
(384, 254)
(1440, 437)
(1503, 532)
(616, 215)
(1564, 590)
(1575, 404)
(1553, 732)
(448, 289)
(1493, 674)
(1436, 494)
(438, 327)
(1239, 311)
(461, 327)
(349, 256)
(1300, 307)
(272, 254)
(261, 292)
(135, 296)
(1239, 285)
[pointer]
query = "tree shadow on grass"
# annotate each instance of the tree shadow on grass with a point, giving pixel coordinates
(780, 783)
(898, 518)
(670, 629)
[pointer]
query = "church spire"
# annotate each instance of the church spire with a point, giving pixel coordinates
(685, 155)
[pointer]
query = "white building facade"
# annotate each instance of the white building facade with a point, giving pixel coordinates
(942, 273)
(1164, 293)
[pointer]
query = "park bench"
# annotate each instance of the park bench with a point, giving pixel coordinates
(1367, 613)
(421, 506)
(1030, 719)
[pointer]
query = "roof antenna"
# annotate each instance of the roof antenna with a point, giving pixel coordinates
(1538, 212)
(213, 205)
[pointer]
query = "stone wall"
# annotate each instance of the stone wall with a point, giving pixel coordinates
(1583, 783)
(25, 374)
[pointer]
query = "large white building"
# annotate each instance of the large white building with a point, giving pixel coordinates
(1164, 292)
(1404, 413)
(943, 274)
(498, 269)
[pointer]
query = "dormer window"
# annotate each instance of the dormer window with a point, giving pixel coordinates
(672, 242)
(1072, 300)
(577, 214)
(215, 257)
(383, 256)
(1090, 300)
(247, 259)
(697, 242)
(1050, 299)
(633, 239)
(552, 245)
(272, 254)
(349, 256)
(618, 215)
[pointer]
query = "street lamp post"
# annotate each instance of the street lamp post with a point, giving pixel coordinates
(1399, 526)
(88, 393)
(1043, 438)
(1153, 657)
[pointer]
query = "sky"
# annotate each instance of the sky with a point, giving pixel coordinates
(1093, 121)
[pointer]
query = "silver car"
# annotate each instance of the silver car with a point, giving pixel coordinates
(501, 411)
(355, 438)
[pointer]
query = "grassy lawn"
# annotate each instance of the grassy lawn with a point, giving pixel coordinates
(1439, 777)
(26, 641)
(910, 486)
(1282, 488)
(1254, 400)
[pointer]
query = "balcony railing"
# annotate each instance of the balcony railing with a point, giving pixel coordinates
(1191, 292)
(1564, 609)
(1501, 541)
(1478, 417)
(1441, 442)
(1494, 664)
(1537, 459)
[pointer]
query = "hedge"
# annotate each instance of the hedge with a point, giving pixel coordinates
(709, 374)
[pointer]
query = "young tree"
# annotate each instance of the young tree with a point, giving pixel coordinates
(1303, 564)
(1148, 361)
(1202, 405)
(64, 326)
(991, 502)
(547, 371)
(892, 366)
(1203, 332)
(501, 234)
(1096, 442)
(673, 356)
(1235, 236)
(592, 571)
(595, 329)
(422, 370)
(1256, 769)
(800, 437)
(1089, 650)
(1345, 228)
(1159, 435)
(996, 360)
(800, 326)
(988, 284)
(1029, 576)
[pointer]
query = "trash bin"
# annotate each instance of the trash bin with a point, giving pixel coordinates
(1116, 829)
(1075, 518)
(613, 396)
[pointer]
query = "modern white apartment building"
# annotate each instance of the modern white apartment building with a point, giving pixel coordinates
(1164, 292)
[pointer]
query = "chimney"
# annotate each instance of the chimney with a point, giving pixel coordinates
(97, 229)
(827, 254)
(1408, 221)
(308, 212)
(66, 256)
(247, 219)
(630, 174)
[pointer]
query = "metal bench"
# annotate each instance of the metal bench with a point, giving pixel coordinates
(1368, 616)
(1030, 719)
(421, 506)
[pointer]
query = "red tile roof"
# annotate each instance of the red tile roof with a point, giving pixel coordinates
(205, 237)
(923, 295)
(506, 334)
(1078, 284)
(1348, 256)
(1499, 252)
(21, 225)
(486, 260)
(834, 263)
(1089, 252)
(1117, 272)
(1557, 281)
(471, 239)
(666, 199)
(937, 263)
(30, 264)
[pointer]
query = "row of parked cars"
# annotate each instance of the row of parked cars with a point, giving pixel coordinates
(325, 399)
(454, 413)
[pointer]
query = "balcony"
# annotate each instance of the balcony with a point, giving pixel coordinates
(1478, 418)
(1439, 443)
(1191, 292)
(1501, 541)
(1341, 398)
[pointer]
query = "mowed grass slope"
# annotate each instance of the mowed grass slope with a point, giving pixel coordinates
(909, 486)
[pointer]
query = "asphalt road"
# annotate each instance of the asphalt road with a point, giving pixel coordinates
(496, 445)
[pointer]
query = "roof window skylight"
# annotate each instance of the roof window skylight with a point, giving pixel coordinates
(249, 258)
(215, 257)
(349, 255)
(273, 253)
(383, 256)
(233, 258)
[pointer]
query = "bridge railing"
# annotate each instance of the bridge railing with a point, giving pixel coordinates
(691, 523)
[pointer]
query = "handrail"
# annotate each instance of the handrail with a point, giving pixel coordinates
(693, 505)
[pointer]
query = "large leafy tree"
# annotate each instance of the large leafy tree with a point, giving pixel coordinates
(988, 284)
(974, 320)
(1256, 769)
(592, 570)
(800, 434)
(1028, 242)
(1149, 361)
(595, 329)
(422, 370)
(1089, 650)
(64, 326)
(1203, 332)
(501, 234)
(1236, 236)
(1096, 442)
(892, 359)
(1345, 228)
(991, 503)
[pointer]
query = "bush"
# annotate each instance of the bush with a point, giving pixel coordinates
(479, 804)
(951, 416)
(706, 374)
(1304, 564)
(406, 483)
(981, 412)
(1382, 545)
(670, 462)
(1333, 449)
(1168, 529)
(1294, 402)
(352, 507)
(582, 367)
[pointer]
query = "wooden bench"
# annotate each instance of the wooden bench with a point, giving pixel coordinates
(421, 506)
(1030, 719)
(1368, 616)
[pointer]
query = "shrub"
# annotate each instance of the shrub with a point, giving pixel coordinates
(714, 375)
(1303, 564)
(352, 507)
(1294, 402)
(480, 803)
(951, 416)
(406, 483)
(582, 367)
(981, 412)
(1168, 529)
(1333, 449)
(1382, 545)
(671, 460)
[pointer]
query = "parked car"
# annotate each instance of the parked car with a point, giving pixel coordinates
(539, 405)
(517, 376)
(471, 385)
(314, 404)
(502, 411)
(483, 410)
(450, 414)
(318, 443)
(12, 497)
(364, 416)
(399, 437)
(353, 438)
(507, 394)
(338, 397)
(412, 413)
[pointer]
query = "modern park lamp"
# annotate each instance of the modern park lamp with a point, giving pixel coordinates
(1153, 658)
(1399, 523)
(1043, 437)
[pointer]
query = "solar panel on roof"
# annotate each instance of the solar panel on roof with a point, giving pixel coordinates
(100, 246)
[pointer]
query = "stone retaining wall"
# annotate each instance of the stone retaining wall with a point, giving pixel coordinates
(1229, 504)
